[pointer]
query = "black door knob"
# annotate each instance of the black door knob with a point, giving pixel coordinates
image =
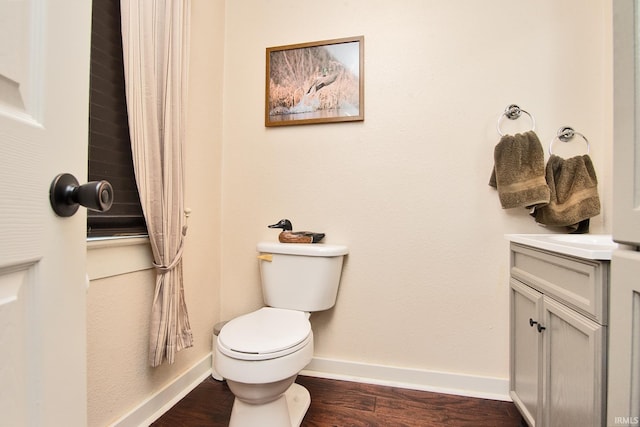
(66, 195)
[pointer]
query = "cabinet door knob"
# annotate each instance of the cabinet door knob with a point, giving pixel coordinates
(541, 328)
(532, 322)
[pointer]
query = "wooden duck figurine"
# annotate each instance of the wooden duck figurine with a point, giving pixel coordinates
(288, 236)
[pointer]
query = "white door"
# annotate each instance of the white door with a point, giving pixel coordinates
(626, 148)
(624, 316)
(44, 80)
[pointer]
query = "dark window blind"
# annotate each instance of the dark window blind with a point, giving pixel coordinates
(109, 145)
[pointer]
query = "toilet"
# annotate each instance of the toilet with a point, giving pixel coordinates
(260, 354)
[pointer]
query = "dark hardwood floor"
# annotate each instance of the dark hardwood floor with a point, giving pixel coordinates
(343, 403)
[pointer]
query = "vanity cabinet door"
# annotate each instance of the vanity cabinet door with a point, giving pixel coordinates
(526, 351)
(573, 365)
(624, 341)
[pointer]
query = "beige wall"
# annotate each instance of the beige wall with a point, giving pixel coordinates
(425, 283)
(119, 307)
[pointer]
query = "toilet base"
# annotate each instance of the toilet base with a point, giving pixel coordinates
(287, 410)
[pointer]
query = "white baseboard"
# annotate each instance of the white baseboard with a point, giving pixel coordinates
(156, 405)
(416, 379)
(439, 382)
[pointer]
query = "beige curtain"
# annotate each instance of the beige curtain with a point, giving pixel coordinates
(155, 50)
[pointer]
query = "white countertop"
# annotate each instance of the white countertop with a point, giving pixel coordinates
(589, 246)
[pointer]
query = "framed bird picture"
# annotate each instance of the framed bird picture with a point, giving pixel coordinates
(316, 82)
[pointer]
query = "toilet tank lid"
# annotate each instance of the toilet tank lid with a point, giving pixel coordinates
(308, 249)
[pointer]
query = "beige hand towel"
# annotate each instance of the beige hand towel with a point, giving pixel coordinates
(574, 192)
(518, 172)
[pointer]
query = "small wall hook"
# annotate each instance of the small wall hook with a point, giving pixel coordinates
(566, 134)
(513, 112)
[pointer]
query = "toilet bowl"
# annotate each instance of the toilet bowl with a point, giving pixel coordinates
(260, 354)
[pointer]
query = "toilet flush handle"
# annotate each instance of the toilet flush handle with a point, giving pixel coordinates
(266, 257)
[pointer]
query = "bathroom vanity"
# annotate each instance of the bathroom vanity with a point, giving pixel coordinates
(559, 287)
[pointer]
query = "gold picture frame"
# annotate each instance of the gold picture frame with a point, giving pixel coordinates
(316, 82)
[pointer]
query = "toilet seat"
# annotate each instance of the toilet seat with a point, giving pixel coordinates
(264, 334)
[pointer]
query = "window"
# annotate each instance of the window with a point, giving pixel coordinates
(109, 144)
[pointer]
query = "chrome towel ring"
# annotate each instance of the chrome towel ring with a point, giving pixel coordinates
(513, 112)
(566, 134)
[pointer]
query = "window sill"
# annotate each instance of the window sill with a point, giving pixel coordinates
(107, 257)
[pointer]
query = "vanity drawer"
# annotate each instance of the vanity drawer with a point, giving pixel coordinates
(576, 282)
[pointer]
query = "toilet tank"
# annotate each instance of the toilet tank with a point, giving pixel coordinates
(300, 276)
